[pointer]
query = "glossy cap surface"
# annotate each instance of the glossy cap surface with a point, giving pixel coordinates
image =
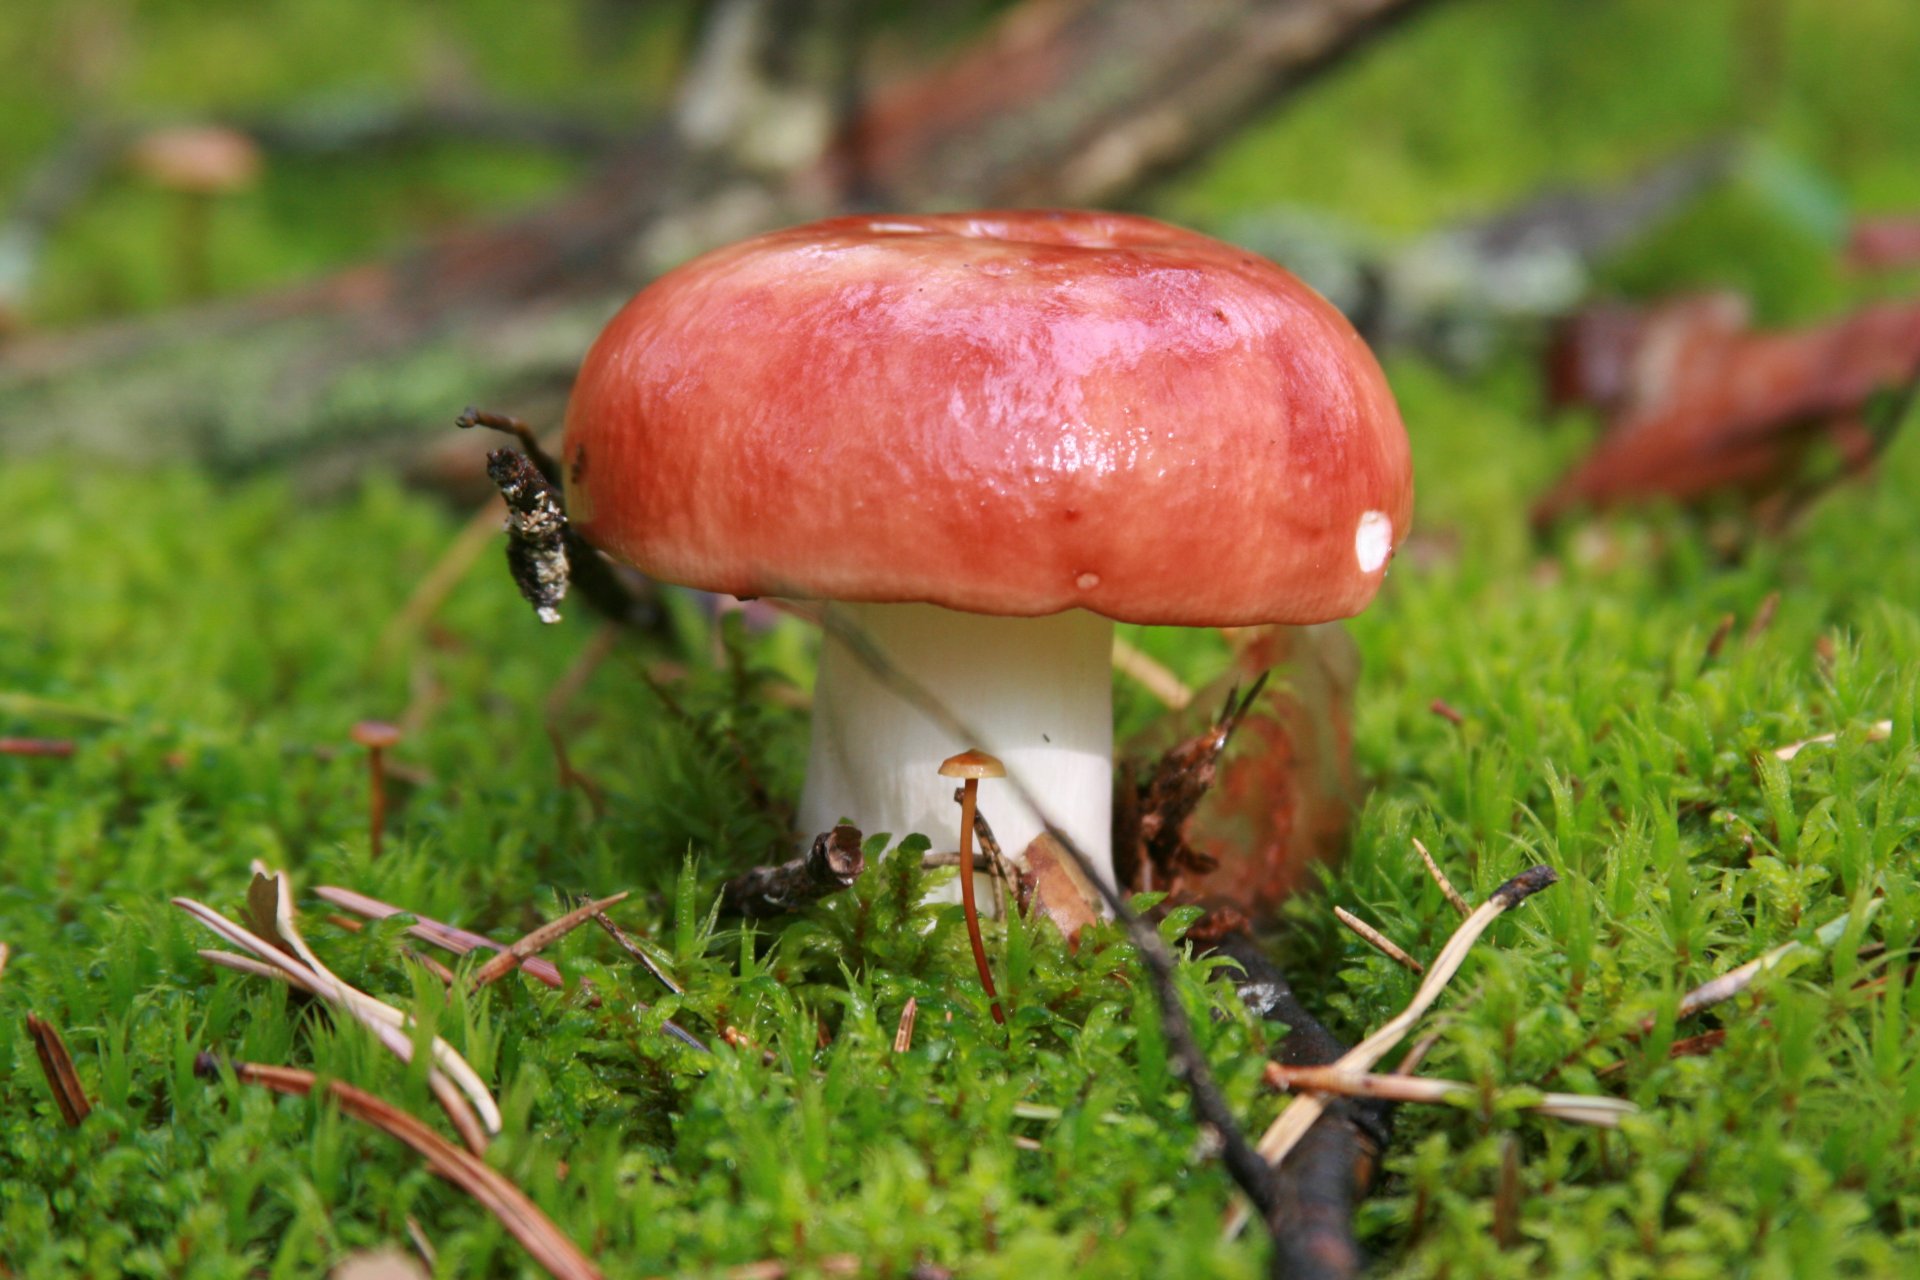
(1002, 412)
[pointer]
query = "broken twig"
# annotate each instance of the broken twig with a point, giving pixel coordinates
(505, 962)
(831, 865)
(1378, 941)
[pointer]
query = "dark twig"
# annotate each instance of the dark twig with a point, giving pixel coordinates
(834, 863)
(498, 1195)
(530, 444)
(57, 1065)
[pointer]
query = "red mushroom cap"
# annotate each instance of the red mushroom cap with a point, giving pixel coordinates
(1003, 412)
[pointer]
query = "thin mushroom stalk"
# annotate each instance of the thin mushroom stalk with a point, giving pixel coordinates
(973, 766)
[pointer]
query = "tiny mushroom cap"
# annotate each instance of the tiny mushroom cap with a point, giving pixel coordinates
(989, 435)
(376, 733)
(972, 764)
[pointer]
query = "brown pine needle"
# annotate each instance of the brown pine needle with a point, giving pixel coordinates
(1440, 878)
(499, 1196)
(903, 1035)
(5, 953)
(450, 937)
(546, 935)
(1377, 940)
(288, 958)
(57, 1065)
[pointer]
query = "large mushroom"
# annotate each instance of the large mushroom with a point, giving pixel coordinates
(986, 437)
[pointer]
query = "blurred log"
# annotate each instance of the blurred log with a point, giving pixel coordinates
(500, 314)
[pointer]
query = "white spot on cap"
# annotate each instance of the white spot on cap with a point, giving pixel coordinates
(1373, 540)
(1087, 581)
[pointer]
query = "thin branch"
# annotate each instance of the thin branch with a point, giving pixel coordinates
(1440, 878)
(530, 444)
(1879, 731)
(505, 962)
(1378, 941)
(520, 1216)
(49, 747)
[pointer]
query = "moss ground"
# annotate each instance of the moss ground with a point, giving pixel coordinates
(207, 642)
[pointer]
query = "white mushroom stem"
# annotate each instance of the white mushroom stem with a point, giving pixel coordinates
(1039, 691)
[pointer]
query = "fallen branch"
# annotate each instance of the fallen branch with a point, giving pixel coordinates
(831, 865)
(506, 1202)
(1377, 940)
(1440, 878)
(1879, 731)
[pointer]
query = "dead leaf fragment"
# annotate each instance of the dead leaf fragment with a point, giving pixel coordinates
(1060, 891)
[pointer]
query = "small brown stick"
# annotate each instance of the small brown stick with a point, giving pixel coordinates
(1292, 1124)
(499, 1196)
(639, 953)
(1506, 1196)
(1763, 617)
(51, 747)
(505, 962)
(447, 976)
(376, 736)
(1444, 709)
(903, 1034)
(1440, 878)
(529, 442)
(1581, 1108)
(6, 953)
(57, 1066)
(1377, 940)
(970, 767)
(831, 865)
(463, 942)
